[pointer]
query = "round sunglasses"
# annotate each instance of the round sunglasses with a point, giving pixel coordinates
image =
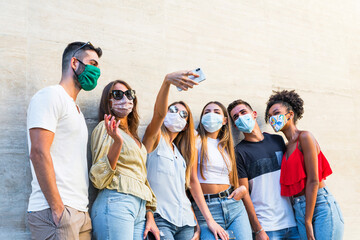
(118, 94)
(175, 109)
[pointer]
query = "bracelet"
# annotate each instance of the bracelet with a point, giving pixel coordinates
(149, 210)
(262, 229)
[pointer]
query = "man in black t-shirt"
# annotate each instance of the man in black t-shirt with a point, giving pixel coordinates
(258, 159)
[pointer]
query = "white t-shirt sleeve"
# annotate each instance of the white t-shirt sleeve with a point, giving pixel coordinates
(44, 110)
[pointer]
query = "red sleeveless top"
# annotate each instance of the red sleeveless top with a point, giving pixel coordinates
(293, 173)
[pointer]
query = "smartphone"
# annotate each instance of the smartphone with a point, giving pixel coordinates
(230, 233)
(199, 79)
(150, 236)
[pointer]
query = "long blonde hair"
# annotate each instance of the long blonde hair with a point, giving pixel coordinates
(225, 146)
(185, 142)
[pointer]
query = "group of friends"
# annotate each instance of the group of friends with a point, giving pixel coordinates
(177, 182)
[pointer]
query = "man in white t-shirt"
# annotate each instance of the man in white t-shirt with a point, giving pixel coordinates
(57, 139)
(258, 160)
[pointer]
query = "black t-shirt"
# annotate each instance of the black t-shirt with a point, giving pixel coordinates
(260, 162)
(254, 159)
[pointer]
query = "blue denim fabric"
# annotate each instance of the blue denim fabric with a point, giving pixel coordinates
(283, 234)
(117, 215)
(229, 214)
(328, 222)
(169, 231)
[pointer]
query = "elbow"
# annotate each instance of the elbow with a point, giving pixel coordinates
(193, 180)
(313, 183)
(36, 154)
(94, 181)
(99, 181)
(96, 184)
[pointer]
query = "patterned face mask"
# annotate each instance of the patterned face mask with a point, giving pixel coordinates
(123, 107)
(278, 121)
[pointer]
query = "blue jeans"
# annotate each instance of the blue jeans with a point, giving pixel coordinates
(169, 231)
(117, 215)
(229, 214)
(283, 234)
(328, 222)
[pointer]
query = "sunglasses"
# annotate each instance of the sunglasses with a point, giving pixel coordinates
(118, 94)
(82, 46)
(174, 109)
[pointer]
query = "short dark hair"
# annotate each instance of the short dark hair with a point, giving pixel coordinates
(235, 103)
(290, 99)
(76, 49)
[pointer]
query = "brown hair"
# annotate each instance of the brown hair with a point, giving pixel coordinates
(133, 118)
(226, 145)
(235, 103)
(185, 141)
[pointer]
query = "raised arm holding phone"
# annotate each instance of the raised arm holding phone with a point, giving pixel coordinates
(169, 140)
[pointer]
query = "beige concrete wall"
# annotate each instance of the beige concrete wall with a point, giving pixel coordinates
(246, 49)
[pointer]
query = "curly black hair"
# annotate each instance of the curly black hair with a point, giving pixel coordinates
(290, 99)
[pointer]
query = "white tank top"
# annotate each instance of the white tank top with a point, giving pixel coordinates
(215, 171)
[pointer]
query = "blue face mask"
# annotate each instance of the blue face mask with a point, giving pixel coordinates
(245, 123)
(212, 122)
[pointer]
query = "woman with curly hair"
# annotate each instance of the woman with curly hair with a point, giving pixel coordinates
(303, 171)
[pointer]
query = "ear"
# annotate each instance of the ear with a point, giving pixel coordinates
(225, 121)
(292, 114)
(73, 63)
(255, 114)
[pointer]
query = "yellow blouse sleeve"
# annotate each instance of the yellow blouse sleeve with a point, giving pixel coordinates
(101, 173)
(151, 204)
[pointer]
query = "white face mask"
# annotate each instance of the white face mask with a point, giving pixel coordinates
(212, 122)
(174, 122)
(123, 107)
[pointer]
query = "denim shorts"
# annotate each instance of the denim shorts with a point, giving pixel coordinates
(328, 222)
(230, 214)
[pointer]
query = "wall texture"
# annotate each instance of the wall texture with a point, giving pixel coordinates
(246, 48)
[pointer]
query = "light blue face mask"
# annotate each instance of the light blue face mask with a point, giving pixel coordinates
(245, 123)
(212, 122)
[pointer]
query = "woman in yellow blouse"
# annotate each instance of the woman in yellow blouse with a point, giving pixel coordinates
(119, 169)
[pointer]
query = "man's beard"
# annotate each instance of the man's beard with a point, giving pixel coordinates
(75, 76)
